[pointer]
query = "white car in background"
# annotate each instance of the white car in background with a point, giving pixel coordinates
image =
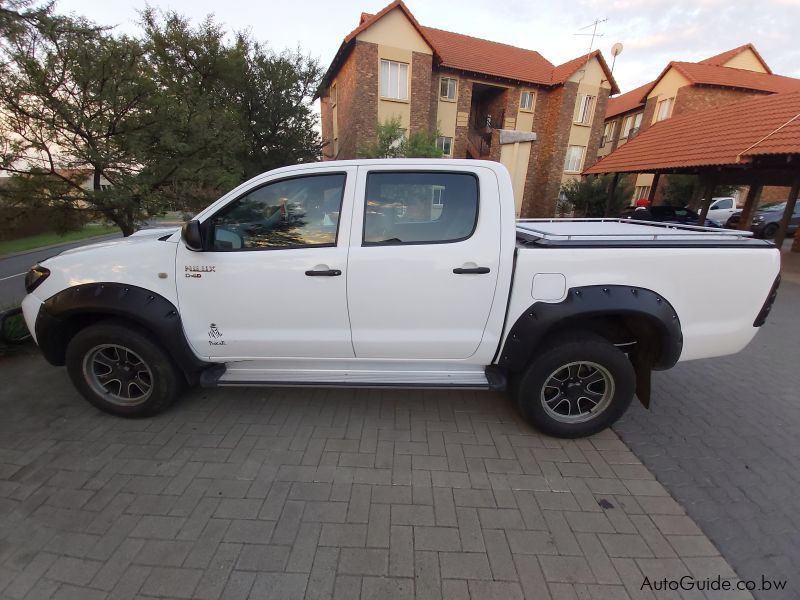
(722, 208)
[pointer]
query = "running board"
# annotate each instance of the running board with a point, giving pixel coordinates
(414, 375)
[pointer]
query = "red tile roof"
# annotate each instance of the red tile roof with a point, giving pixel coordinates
(476, 55)
(629, 100)
(719, 60)
(703, 74)
(728, 135)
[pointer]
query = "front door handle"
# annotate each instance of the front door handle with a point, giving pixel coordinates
(324, 273)
(472, 270)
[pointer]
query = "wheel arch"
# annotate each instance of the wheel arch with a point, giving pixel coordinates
(624, 315)
(64, 314)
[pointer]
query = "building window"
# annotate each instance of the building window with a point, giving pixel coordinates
(626, 126)
(332, 95)
(642, 192)
(526, 101)
(584, 108)
(445, 144)
(394, 80)
(447, 88)
(637, 123)
(664, 109)
(608, 133)
(574, 159)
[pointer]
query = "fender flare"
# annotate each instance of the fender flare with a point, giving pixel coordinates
(541, 318)
(60, 315)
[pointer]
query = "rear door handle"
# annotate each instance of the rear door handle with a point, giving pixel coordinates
(324, 273)
(472, 270)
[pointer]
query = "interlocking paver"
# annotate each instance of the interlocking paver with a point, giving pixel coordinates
(319, 493)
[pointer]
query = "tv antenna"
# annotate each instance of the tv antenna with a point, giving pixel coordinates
(593, 25)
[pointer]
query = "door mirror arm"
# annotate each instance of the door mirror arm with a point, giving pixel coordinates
(192, 236)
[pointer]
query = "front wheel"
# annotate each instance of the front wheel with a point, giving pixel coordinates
(576, 386)
(120, 370)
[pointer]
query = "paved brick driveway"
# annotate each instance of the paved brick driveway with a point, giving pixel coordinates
(724, 437)
(317, 493)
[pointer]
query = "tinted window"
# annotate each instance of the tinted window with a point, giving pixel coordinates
(291, 213)
(662, 212)
(420, 207)
(724, 204)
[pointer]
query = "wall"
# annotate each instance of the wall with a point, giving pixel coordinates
(745, 60)
(694, 98)
(357, 106)
(667, 87)
(398, 40)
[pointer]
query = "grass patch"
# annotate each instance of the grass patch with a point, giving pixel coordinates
(47, 239)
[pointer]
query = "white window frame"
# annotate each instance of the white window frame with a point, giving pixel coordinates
(626, 126)
(445, 141)
(447, 97)
(531, 100)
(393, 84)
(584, 109)
(664, 110)
(436, 196)
(608, 133)
(569, 163)
(644, 194)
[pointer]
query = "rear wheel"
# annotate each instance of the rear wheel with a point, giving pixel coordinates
(576, 386)
(120, 370)
(770, 230)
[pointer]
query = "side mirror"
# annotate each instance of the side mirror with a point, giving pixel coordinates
(192, 236)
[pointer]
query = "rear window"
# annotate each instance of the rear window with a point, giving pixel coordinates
(419, 207)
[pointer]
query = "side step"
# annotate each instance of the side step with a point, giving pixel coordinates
(342, 374)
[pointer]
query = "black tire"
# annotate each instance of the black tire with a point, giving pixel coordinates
(140, 361)
(576, 393)
(770, 231)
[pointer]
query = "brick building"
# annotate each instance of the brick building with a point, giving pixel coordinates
(687, 87)
(487, 100)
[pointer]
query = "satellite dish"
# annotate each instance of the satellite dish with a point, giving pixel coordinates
(616, 49)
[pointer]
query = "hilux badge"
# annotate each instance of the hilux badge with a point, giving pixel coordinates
(216, 335)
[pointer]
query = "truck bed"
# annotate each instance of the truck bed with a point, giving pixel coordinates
(610, 233)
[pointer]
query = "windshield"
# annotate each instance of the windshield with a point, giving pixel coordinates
(774, 207)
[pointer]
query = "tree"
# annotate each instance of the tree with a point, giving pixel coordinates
(170, 118)
(680, 190)
(392, 143)
(588, 195)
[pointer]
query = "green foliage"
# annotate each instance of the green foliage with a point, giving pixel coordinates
(392, 143)
(679, 190)
(588, 196)
(169, 118)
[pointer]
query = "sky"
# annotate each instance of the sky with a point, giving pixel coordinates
(652, 32)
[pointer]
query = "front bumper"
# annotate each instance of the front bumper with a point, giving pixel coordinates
(30, 310)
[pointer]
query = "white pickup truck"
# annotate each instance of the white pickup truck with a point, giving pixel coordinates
(408, 273)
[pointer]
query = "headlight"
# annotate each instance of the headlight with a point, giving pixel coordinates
(758, 219)
(35, 277)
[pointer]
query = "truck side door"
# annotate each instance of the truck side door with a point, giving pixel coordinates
(424, 261)
(271, 282)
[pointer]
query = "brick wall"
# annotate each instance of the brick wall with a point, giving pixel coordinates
(463, 105)
(773, 193)
(357, 110)
(649, 112)
(421, 76)
(693, 98)
(597, 128)
(546, 166)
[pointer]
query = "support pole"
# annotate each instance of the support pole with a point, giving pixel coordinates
(749, 206)
(787, 213)
(709, 184)
(651, 197)
(610, 198)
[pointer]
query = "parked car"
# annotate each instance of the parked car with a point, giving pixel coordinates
(722, 208)
(398, 273)
(667, 214)
(767, 220)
